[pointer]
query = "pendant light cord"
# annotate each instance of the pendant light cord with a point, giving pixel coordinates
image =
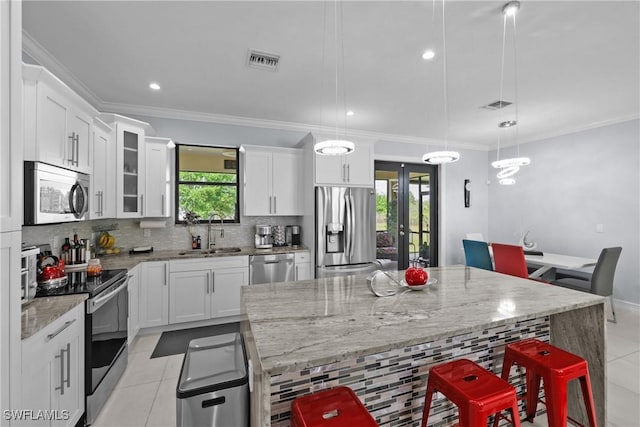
(501, 100)
(515, 81)
(335, 51)
(324, 48)
(444, 78)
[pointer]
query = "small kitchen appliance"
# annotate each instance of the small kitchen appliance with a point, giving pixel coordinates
(263, 238)
(28, 273)
(296, 239)
(279, 236)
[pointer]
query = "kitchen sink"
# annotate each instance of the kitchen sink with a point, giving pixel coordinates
(224, 250)
(229, 250)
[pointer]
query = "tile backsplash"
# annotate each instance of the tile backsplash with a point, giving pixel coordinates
(174, 236)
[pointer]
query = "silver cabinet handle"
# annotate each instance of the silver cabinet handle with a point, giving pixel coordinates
(297, 273)
(165, 274)
(62, 328)
(275, 206)
(213, 281)
(61, 356)
(162, 201)
(68, 350)
(348, 172)
(77, 150)
(141, 205)
(344, 172)
(102, 203)
(270, 203)
(208, 281)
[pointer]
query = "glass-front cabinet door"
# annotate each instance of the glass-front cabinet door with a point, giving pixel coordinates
(130, 171)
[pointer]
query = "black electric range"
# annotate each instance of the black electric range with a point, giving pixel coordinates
(80, 283)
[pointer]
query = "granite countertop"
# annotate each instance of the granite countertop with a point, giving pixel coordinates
(129, 261)
(316, 322)
(42, 311)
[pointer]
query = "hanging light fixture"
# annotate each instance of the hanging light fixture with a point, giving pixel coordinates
(335, 146)
(445, 156)
(510, 166)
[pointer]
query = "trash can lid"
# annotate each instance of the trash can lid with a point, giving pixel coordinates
(211, 364)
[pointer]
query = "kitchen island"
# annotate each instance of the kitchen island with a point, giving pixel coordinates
(310, 335)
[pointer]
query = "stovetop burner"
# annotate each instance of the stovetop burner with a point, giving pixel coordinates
(79, 283)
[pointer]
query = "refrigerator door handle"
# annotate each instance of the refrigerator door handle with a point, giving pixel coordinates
(352, 229)
(348, 226)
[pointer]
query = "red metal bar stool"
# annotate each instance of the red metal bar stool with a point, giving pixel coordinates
(336, 407)
(476, 392)
(556, 367)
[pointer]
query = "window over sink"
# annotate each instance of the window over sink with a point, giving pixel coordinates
(206, 183)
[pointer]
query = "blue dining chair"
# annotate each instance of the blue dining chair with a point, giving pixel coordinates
(476, 254)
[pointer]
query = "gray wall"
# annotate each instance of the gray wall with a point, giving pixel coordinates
(575, 182)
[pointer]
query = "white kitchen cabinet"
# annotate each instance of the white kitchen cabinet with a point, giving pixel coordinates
(130, 164)
(11, 135)
(206, 288)
(103, 179)
(57, 122)
(157, 179)
(53, 370)
(354, 169)
(272, 181)
(302, 262)
(154, 294)
(189, 296)
(133, 287)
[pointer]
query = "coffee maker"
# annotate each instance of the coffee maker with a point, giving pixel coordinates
(293, 235)
(263, 239)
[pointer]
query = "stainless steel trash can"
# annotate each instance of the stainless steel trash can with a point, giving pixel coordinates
(213, 388)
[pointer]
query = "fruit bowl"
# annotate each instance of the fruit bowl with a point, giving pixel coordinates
(431, 281)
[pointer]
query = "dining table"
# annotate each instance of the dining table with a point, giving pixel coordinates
(547, 263)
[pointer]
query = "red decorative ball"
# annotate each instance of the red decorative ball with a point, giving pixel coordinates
(415, 276)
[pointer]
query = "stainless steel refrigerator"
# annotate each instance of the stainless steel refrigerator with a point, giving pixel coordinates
(345, 231)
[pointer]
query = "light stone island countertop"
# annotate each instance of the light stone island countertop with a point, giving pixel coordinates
(42, 311)
(129, 261)
(298, 325)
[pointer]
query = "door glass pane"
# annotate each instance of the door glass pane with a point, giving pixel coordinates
(386, 182)
(419, 216)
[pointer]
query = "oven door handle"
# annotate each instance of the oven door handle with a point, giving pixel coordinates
(96, 303)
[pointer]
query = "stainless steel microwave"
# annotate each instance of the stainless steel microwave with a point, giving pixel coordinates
(53, 194)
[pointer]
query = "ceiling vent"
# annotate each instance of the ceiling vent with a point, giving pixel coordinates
(497, 105)
(263, 60)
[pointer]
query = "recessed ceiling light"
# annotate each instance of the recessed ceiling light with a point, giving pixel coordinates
(154, 86)
(350, 113)
(428, 54)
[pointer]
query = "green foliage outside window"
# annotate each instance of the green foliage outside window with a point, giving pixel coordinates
(205, 193)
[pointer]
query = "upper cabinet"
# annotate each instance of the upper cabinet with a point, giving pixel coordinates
(10, 129)
(158, 178)
(354, 169)
(57, 122)
(103, 178)
(130, 165)
(272, 184)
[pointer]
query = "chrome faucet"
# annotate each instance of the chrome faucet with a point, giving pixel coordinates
(211, 238)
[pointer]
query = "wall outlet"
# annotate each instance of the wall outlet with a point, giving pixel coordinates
(599, 228)
(146, 232)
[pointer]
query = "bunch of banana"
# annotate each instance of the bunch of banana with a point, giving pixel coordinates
(106, 240)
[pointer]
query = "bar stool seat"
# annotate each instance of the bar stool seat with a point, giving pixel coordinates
(475, 391)
(336, 407)
(555, 367)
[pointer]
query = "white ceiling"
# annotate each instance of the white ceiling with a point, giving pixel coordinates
(578, 64)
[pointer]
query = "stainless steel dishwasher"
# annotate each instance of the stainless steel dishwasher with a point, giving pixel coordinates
(271, 268)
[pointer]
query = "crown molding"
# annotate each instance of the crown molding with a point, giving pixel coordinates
(35, 50)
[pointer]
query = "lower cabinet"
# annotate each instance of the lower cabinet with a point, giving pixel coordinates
(53, 372)
(133, 327)
(302, 266)
(154, 293)
(201, 289)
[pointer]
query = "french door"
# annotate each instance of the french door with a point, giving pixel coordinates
(406, 214)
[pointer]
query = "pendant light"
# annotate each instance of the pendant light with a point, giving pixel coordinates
(335, 146)
(510, 166)
(445, 156)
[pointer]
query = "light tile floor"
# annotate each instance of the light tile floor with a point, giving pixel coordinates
(145, 395)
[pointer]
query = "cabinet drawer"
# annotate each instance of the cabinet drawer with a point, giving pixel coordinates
(208, 263)
(301, 257)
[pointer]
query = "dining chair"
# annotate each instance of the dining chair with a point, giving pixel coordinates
(601, 280)
(476, 254)
(509, 259)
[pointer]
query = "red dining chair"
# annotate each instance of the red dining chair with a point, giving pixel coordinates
(509, 259)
